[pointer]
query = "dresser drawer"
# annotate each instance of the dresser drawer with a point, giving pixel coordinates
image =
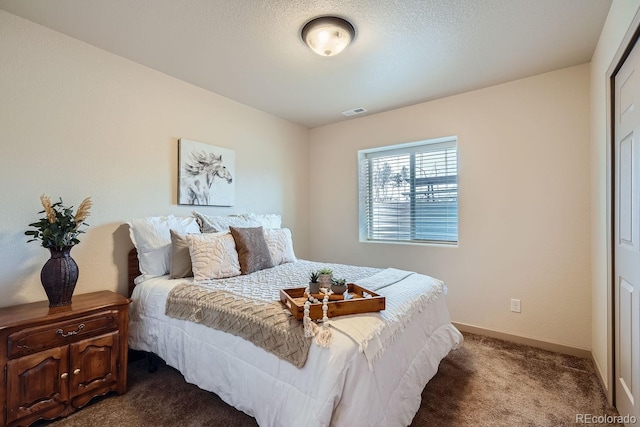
(37, 338)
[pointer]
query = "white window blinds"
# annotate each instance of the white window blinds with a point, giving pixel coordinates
(409, 192)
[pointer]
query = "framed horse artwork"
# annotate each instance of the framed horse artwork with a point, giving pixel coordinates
(205, 174)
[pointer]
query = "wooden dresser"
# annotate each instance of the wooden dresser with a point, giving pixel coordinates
(56, 359)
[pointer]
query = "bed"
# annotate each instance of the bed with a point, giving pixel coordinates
(372, 373)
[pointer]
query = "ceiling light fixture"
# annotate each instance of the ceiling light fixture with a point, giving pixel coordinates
(328, 35)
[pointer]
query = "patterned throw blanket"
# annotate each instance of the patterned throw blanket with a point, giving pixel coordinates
(265, 324)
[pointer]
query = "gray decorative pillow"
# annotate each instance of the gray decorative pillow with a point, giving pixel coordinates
(180, 258)
(214, 224)
(253, 251)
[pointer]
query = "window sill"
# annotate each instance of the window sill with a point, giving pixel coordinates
(413, 243)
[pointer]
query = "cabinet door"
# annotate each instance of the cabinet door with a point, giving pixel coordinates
(93, 368)
(37, 383)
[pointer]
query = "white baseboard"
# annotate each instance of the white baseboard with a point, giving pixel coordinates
(603, 381)
(558, 348)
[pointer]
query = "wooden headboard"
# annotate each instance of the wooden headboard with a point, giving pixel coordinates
(133, 269)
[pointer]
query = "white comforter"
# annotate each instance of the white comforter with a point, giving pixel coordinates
(335, 387)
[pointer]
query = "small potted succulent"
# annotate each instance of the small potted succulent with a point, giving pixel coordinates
(325, 275)
(314, 285)
(339, 286)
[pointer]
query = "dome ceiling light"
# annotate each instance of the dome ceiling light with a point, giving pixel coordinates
(328, 35)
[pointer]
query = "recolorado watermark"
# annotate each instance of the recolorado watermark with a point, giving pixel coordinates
(605, 419)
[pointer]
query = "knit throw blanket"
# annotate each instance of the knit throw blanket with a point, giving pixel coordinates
(265, 324)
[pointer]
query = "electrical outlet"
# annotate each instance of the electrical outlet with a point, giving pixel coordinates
(515, 305)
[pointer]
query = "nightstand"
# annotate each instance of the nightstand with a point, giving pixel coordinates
(56, 359)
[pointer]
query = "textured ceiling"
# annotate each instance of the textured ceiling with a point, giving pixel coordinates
(405, 51)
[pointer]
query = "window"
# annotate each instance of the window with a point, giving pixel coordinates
(409, 192)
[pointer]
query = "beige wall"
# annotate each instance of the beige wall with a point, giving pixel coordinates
(523, 202)
(616, 26)
(76, 121)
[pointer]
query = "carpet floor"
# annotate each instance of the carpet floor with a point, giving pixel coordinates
(487, 382)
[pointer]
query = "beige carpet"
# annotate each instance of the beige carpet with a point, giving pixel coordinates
(487, 382)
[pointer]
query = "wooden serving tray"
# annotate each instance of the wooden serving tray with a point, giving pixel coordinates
(294, 299)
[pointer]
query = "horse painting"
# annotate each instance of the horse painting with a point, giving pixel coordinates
(198, 171)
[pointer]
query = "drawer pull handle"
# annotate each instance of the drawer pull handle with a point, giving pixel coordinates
(70, 333)
(76, 372)
(65, 375)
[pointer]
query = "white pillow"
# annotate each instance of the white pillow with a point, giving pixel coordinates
(280, 245)
(213, 256)
(266, 220)
(152, 239)
(213, 224)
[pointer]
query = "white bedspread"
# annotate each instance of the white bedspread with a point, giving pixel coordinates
(405, 294)
(335, 387)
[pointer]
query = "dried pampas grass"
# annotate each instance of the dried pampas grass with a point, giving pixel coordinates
(83, 211)
(46, 204)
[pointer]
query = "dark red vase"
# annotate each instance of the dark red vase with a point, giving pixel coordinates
(59, 276)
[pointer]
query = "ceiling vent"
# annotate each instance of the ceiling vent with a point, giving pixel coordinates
(354, 112)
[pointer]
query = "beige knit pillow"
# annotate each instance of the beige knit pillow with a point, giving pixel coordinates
(280, 245)
(213, 256)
